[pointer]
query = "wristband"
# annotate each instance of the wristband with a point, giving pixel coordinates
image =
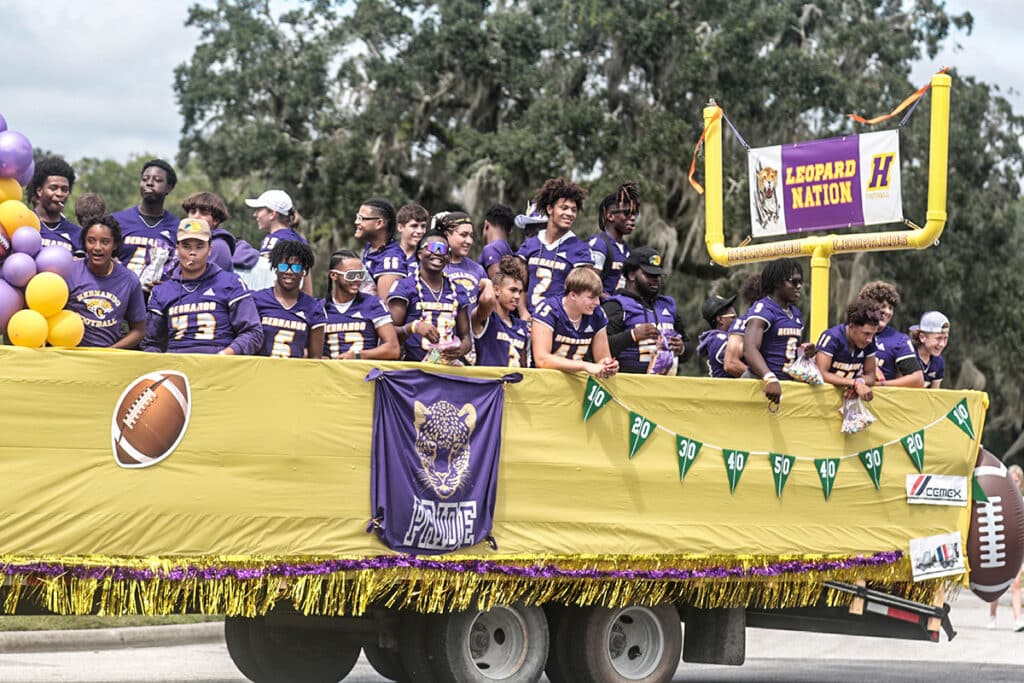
(358, 353)
(632, 333)
(769, 377)
(859, 380)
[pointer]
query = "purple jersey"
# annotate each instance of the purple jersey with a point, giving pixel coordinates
(286, 330)
(609, 256)
(846, 362)
(65, 234)
(140, 240)
(934, 369)
(782, 333)
(388, 260)
(354, 325)
(422, 303)
(711, 347)
(467, 274)
(636, 358)
(494, 252)
(204, 315)
(104, 302)
(568, 340)
(410, 264)
(503, 346)
(892, 347)
(548, 265)
(267, 245)
(222, 249)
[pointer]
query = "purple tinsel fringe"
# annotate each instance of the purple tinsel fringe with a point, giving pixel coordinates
(483, 567)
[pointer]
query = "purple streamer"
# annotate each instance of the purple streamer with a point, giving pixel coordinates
(481, 567)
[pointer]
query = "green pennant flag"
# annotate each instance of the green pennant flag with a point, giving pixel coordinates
(977, 492)
(782, 465)
(961, 417)
(595, 397)
(913, 444)
(827, 468)
(872, 461)
(735, 461)
(640, 429)
(686, 451)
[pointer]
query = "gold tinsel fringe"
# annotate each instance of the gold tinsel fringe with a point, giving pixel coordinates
(437, 590)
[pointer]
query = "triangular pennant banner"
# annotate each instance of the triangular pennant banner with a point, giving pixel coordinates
(977, 492)
(735, 461)
(595, 397)
(827, 468)
(686, 451)
(872, 461)
(640, 429)
(782, 465)
(961, 417)
(913, 444)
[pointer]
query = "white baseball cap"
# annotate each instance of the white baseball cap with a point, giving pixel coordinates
(533, 216)
(275, 200)
(933, 321)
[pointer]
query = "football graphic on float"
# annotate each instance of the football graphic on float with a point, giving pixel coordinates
(150, 418)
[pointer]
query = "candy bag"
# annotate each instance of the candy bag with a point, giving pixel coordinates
(447, 340)
(663, 360)
(856, 417)
(803, 369)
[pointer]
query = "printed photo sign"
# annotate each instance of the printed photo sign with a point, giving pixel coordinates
(824, 184)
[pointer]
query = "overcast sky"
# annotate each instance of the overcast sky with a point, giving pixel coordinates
(99, 79)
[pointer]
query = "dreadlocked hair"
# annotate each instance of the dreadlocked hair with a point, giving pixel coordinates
(628, 194)
(554, 189)
(777, 272)
(510, 267)
(286, 249)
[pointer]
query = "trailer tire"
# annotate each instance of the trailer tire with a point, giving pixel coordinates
(236, 636)
(560, 620)
(387, 662)
(414, 651)
(306, 655)
(633, 643)
(506, 643)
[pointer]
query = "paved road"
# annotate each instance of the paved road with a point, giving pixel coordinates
(977, 654)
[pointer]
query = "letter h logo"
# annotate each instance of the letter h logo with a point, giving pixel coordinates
(881, 168)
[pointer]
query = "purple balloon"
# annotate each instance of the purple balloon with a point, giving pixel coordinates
(54, 259)
(19, 269)
(3, 123)
(11, 301)
(27, 240)
(15, 154)
(25, 177)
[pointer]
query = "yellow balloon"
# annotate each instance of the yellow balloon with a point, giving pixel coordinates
(27, 328)
(14, 214)
(9, 189)
(66, 329)
(46, 293)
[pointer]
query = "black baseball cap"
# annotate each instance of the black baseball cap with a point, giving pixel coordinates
(646, 259)
(714, 306)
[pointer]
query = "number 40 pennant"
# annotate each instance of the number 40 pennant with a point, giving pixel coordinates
(735, 461)
(827, 468)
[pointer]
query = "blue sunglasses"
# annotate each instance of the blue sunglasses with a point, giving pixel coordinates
(294, 267)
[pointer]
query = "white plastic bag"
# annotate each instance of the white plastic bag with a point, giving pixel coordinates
(856, 416)
(803, 369)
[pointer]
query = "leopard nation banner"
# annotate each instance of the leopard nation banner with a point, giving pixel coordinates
(434, 473)
(823, 184)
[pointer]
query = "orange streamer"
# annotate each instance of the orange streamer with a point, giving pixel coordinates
(693, 162)
(903, 105)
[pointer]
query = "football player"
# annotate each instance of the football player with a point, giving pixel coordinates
(616, 218)
(566, 328)
(293, 321)
(846, 353)
(358, 324)
(774, 325)
(895, 359)
(501, 338)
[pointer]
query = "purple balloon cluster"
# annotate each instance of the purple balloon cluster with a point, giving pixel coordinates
(28, 257)
(15, 155)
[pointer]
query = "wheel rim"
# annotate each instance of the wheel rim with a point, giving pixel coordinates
(497, 643)
(636, 643)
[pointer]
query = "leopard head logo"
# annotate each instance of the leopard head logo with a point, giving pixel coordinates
(766, 198)
(442, 444)
(99, 307)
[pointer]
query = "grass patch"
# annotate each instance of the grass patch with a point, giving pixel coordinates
(59, 623)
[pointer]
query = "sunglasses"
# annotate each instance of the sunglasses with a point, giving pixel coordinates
(350, 275)
(362, 219)
(626, 212)
(795, 281)
(439, 248)
(294, 267)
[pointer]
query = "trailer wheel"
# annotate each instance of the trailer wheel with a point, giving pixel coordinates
(386, 661)
(415, 652)
(560, 620)
(296, 653)
(629, 644)
(506, 643)
(236, 635)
